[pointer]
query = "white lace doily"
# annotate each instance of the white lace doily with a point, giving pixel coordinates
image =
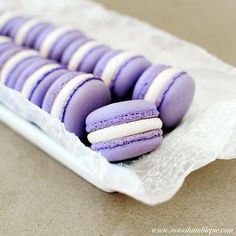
(207, 132)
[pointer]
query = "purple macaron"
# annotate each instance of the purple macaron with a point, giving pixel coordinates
(42, 35)
(62, 42)
(11, 27)
(170, 89)
(54, 90)
(33, 34)
(83, 54)
(17, 70)
(71, 98)
(124, 130)
(44, 84)
(9, 52)
(120, 70)
(28, 70)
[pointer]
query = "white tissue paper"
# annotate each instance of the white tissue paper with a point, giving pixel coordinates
(207, 133)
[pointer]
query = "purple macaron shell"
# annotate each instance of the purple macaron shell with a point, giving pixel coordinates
(126, 74)
(71, 49)
(38, 82)
(31, 68)
(82, 102)
(63, 42)
(5, 46)
(42, 36)
(176, 100)
(17, 25)
(7, 54)
(43, 86)
(54, 90)
(124, 81)
(17, 69)
(89, 61)
(5, 27)
(98, 70)
(129, 147)
(33, 34)
(11, 26)
(146, 79)
(119, 113)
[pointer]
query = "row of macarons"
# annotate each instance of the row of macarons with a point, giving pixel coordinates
(169, 88)
(127, 74)
(119, 131)
(72, 48)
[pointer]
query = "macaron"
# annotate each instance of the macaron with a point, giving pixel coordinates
(170, 89)
(6, 17)
(44, 84)
(83, 54)
(7, 53)
(24, 29)
(13, 62)
(124, 130)
(10, 28)
(30, 68)
(73, 98)
(28, 33)
(34, 80)
(14, 75)
(54, 90)
(56, 41)
(42, 35)
(120, 70)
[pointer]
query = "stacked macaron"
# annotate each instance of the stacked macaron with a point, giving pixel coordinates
(66, 95)
(125, 129)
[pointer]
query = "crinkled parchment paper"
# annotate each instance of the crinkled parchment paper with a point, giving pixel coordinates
(208, 131)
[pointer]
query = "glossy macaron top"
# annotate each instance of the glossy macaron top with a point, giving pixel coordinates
(119, 113)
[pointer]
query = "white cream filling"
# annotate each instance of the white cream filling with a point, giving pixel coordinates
(124, 130)
(51, 39)
(32, 80)
(65, 93)
(24, 29)
(159, 83)
(79, 54)
(5, 17)
(14, 60)
(4, 39)
(111, 67)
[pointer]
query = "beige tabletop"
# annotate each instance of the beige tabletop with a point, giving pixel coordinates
(39, 196)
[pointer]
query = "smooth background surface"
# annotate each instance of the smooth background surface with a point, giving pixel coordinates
(38, 196)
